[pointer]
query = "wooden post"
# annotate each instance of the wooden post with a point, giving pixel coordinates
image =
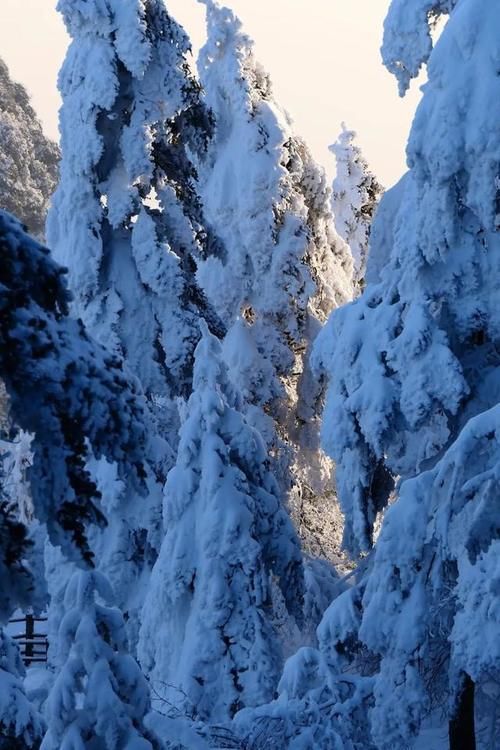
(462, 733)
(30, 633)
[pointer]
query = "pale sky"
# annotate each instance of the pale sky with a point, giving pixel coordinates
(323, 57)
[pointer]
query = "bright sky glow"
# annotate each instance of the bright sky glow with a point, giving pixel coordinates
(323, 56)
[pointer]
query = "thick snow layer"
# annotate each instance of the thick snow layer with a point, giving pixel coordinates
(408, 38)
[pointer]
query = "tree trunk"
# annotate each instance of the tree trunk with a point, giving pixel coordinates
(462, 732)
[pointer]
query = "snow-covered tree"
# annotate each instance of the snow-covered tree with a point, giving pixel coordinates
(408, 36)
(127, 222)
(100, 697)
(431, 608)
(126, 219)
(426, 326)
(426, 617)
(325, 694)
(207, 639)
(21, 726)
(65, 389)
(284, 267)
(356, 194)
(28, 160)
(76, 401)
(414, 390)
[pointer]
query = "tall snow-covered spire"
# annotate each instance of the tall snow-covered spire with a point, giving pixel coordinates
(285, 268)
(356, 194)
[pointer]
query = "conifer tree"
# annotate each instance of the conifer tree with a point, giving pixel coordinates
(76, 401)
(207, 630)
(99, 697)
(356, 194)
(65, 389)
(426, 339)
(284, 268)
(416, 395)
(126, 219)
(127, 222)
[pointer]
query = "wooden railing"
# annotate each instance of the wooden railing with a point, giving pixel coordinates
(32, 644)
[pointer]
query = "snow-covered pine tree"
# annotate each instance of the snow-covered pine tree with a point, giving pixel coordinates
(356, 195)
(28, 160)
(21, 726)
(414, 392)
(127, 222)
(100, 697)
(284, 268)
(207, 639)
(325, 694)
(65, 389)
(426, 338)
(76, 401)
(431, 608)
(126, 219)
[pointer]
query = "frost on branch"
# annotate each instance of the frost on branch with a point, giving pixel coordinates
(28, 160)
